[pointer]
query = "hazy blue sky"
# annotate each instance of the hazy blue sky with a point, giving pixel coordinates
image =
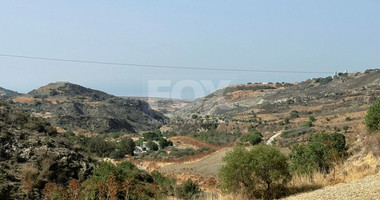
(320, 35)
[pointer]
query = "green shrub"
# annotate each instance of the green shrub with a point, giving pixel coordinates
(166, 184)
(115, 134)
(141, 185)
(253, 138)
(319, 154)
(256, 172)
(98, 146)
(117, 154)
(152, 135)
(164, 143)
(324, 81)
(151, 145)
(126, 146)
(372, 119)
(294, 114)
(187, 190)
(287, 120)
(309, 123)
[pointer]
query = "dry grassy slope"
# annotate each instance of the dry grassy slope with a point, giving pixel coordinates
(235, 100)
(364, 188)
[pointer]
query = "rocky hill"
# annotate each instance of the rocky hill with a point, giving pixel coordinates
(32, 153)
(355, 88)
(4, 93)
(72, 107)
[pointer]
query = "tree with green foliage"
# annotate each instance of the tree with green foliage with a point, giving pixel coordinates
(164, 143)
(372, 119)
(156, 135)
(97, 145)
(319, 154)
(126, 146)
(151, 145)
(253, 138)
(257, 172)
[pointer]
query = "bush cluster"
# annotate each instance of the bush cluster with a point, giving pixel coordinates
(122, 181)
(319, 154)
(258, 173)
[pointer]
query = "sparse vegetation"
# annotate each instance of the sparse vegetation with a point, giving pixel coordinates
(217, 137)
(121, 181)
(173, 153)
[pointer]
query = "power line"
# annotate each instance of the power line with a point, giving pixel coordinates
(162, 66)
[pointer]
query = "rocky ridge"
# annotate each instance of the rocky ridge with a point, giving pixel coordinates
(73, 107)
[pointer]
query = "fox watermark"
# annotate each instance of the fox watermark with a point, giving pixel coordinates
(174, 90)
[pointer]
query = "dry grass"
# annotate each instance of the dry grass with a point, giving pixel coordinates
(305, 183)
(26, 100)
(30, 176)
(216, 196)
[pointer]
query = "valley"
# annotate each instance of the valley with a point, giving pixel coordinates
(189, 142)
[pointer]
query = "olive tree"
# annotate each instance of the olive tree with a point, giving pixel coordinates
(256, 173)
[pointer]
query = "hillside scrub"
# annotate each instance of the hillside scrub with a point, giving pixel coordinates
(217, 137)
(100, 147)
(173, 152)
(319, 154)
(121, 181)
